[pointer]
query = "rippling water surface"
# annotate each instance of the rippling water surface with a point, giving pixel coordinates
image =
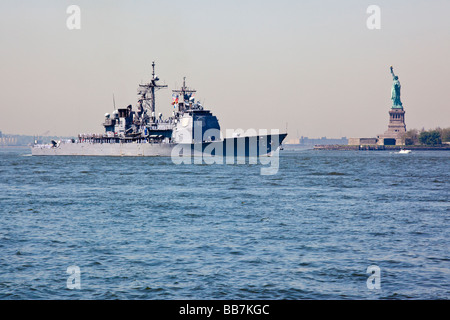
(144, 228)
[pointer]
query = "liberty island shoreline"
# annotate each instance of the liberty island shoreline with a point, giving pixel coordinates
(380, 148)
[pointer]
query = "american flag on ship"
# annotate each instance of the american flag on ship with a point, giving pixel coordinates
(175, 99)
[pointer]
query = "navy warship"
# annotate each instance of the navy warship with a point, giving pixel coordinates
(192, 130)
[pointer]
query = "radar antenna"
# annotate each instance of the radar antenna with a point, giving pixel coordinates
(147, 95)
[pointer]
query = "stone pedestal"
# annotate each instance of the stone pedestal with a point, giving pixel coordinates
(395, 134)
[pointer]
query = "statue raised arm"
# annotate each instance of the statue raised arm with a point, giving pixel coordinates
(392, 72)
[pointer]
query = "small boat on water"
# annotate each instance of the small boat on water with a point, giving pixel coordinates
(404, 151)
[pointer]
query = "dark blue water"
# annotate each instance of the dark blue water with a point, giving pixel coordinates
(144, 228)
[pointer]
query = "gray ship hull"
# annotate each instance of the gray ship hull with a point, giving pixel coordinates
(239, 146)
(104, 149)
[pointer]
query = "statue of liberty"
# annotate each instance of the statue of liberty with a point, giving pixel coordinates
(395, 91)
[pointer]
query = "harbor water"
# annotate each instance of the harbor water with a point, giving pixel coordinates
(145, 228)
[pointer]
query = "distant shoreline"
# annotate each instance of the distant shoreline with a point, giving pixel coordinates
(381, 148)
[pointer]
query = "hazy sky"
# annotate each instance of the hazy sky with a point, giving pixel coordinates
(312, 66)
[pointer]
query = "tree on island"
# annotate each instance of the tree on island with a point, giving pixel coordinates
(411, 137)
(445, 134)
(430, 137)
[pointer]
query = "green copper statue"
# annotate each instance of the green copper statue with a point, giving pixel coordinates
(395, 92)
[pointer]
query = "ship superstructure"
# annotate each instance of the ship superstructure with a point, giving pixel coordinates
(127, 125)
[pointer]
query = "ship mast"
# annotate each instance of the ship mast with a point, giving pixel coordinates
(147, 93)
(185, 92)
